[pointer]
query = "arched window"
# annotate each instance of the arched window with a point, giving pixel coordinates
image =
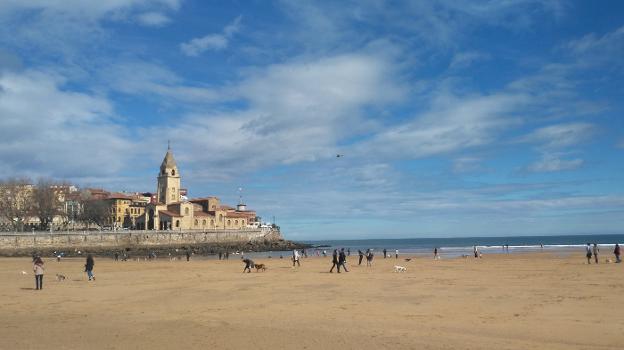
(196, 222)
(211, 222)
(177, 223)
(228, 222)
(235, 222)
(204, 222)
(173, 172)
(186, 211)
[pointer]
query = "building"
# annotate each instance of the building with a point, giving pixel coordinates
(172, 211)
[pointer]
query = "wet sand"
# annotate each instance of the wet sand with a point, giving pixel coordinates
(517, 301)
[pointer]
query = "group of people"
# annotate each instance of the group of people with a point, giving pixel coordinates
(39, 270)
(593, 252)
(369, 257)
(339, 259)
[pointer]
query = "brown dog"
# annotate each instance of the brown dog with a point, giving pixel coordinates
(260, 267)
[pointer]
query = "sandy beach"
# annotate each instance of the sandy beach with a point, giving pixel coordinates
(516, 301)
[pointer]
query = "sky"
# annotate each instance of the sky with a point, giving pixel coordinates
(452, 118)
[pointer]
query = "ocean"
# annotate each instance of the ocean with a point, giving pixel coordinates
(455, 247)
(464, 245)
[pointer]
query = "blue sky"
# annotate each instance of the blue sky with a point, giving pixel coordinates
(482, 118)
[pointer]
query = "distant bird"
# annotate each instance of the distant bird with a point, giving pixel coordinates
(339, 155)
(408, 259)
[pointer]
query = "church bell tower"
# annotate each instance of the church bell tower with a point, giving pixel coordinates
(168, 180)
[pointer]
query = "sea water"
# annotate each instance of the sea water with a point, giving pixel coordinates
(464, 245)
(453, 247)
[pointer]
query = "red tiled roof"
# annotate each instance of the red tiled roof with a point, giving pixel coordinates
(202, 199)
(118, 196)
(236, 215)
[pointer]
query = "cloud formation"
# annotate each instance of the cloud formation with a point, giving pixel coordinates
(153, 19)
(52, 131)
(215, 42)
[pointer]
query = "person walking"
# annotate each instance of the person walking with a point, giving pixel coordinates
(249, 264)
(396, 253)
(295, 258)
(334, 261)
(616, 252)
(116, 256)
(588, 253)
(38, 270)
(436, 255)
(385, 253)
(89, 267)
(476, 251)
(361, 256)
(342, 260)
(369, 258)
(188, 255)
(596, 250)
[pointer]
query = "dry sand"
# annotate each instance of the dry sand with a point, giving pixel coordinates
(517, 301)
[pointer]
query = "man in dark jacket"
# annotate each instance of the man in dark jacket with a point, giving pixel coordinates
(249, 264)
(89, 267)
(334, 261)
(342, 260)
(361, 256)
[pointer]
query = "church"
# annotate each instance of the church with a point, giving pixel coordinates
(170, 212)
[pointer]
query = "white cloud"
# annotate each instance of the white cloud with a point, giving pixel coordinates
(551, 140)
(467, 59)
(144, 78)
(90, 10)
(48, 130)
(450, 124)
(592, 42)
(153, 19)
(552, 162)
(71, 29)
(295, 112)
(467, 164)
(560, 135)
(215, 42)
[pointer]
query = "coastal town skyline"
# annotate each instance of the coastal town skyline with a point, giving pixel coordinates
(374, 120)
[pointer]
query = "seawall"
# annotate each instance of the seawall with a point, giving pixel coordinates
(23, 243)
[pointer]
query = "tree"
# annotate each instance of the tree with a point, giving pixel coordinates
(94, 211)
(16, 201)
(47, 197)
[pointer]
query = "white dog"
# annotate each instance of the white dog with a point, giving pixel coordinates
(399, 268)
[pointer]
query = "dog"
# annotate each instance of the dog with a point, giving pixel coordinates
(60, 277)
(260, 267)
(399, 268)
(408, 259)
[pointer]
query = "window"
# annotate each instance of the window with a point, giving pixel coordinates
(204, 222)
(228, 222)
(235, 222)
(196, 222)
(173, 172)
(186, 211)
(177, 221)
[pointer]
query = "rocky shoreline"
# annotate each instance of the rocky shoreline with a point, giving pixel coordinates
(161, 250)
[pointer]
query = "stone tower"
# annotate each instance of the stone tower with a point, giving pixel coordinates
(168, 180)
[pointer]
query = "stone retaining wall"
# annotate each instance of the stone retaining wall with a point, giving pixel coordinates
(65, 240)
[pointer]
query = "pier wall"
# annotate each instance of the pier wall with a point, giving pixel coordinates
(144, 239)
